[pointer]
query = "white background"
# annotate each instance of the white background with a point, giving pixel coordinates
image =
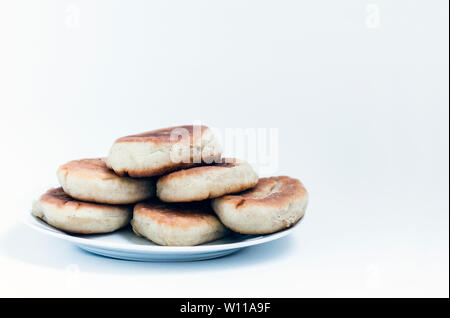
(358, 90)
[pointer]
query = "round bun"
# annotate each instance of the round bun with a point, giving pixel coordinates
(160, 151)
(91, 180)
(274, 204)
(205, 182)
(61, 211)
(177, 224)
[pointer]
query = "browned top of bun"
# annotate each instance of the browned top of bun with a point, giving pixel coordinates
(273, 191)
(90, 166)
(59, 198)
(224, 163)
(177, 215)
(167, 135)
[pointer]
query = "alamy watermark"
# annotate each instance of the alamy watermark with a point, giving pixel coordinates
(258, 146)
(373, 16)
(72, 18)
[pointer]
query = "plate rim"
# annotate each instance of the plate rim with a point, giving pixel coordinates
(31, 221)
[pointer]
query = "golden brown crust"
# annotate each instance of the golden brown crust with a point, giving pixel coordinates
(59, 198)
(177, 215)
(223, 164)
(61, 211)
(155, 171)
(152, 153)
(273, 191)
(90, 166)
(164, 135)
(170, 167)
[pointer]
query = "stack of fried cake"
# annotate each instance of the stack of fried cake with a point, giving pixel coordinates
(174, 187)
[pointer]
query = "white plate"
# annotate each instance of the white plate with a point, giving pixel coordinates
(124, 244)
